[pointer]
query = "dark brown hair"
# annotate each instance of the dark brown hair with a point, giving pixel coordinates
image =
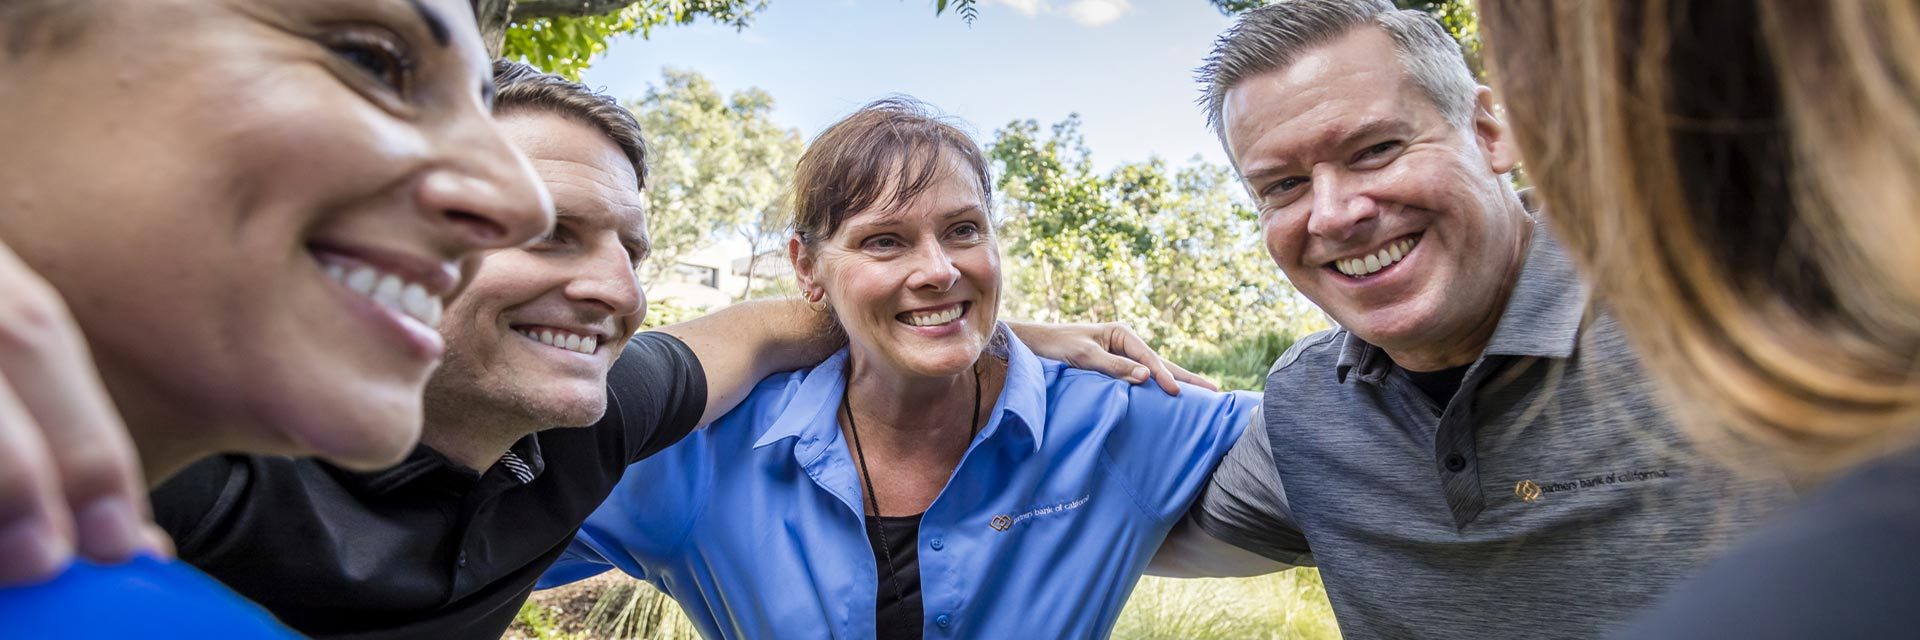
(884, 155)
(523, 88)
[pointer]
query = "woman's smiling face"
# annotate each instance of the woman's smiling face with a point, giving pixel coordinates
(916, 286)
(256, 209)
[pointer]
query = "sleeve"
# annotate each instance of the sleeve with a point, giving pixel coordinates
(1242, 509)
(659, 390)
(579, 562)
(1166, 446)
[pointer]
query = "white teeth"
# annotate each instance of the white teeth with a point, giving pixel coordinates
(388, 290)
(937, 318)
(361, 280)
(1381, 259)
(563, 340)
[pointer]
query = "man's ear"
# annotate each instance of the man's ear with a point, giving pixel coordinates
(802, 264)
(1493, 136)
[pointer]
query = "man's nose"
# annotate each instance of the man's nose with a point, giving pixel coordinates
(608, 279)
(1340, 211)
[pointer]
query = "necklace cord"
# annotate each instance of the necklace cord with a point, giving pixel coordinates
(879, 525)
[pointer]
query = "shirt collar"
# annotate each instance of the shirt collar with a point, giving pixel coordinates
(812, 414)
(424, 462)
(1542, 317)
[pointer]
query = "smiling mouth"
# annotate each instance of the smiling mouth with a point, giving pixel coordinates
(1368, 265)
(561, 339)
(390, 291)
(935, 317)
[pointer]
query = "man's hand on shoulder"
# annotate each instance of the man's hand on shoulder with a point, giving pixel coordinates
(1111, 348)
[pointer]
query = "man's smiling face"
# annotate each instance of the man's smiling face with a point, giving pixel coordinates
(536, 333)
(1394, 220)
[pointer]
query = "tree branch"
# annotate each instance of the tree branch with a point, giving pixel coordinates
(530, 9)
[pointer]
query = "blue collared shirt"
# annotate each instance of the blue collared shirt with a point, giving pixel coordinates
(755, 524)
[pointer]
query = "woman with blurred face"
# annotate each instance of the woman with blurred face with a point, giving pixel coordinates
(1739, 179)
(934, 476)
(255, 211)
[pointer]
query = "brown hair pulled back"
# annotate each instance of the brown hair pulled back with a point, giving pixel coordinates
(883, 156)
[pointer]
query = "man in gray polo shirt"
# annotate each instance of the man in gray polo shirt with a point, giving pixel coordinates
(1475, 453)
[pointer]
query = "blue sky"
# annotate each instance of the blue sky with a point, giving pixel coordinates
(1125, 66)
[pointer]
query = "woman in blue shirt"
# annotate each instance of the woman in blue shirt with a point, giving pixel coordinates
(935, 477)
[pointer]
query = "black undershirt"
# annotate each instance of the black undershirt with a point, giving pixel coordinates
(899, 614)
(1439, 385)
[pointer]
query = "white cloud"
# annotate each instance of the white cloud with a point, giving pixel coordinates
(1094, 13)
(1028, 8)
(1086, 13)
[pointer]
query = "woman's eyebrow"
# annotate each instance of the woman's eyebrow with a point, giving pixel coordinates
(435, 24)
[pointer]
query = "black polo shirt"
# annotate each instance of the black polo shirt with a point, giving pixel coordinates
(426, 549)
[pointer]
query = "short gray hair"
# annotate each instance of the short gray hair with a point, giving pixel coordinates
(1273, 36)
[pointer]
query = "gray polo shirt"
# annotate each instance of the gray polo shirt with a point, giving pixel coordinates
(1551, 498)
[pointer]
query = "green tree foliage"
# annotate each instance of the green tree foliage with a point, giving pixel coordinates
(718, 166)
(563, 41)
(1175, 251)
(1460, 20)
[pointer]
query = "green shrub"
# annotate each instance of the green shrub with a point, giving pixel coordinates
(1239, 365)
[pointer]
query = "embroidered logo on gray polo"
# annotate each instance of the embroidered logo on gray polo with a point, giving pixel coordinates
(1004, 522)
(1531, 491)
(1528, 490)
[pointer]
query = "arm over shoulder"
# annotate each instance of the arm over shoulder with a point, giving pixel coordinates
(659, 392)
(1166, 445)
(1241, 524)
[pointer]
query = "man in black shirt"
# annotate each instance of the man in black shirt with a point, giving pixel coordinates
(449, 543)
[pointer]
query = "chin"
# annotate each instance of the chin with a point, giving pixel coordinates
(368, 436)
(945, 364)
(568, 405)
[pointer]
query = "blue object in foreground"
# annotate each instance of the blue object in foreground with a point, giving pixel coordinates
(142, 598)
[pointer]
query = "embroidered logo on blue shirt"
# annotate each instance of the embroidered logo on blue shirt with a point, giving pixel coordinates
(1004, 522)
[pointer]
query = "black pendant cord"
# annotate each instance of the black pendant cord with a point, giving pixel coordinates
(886, 549)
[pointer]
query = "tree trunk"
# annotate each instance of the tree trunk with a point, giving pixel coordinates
(494, 16)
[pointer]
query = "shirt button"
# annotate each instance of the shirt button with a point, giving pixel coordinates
(937, 543)
(462, 560)
(1456, 462)
(943, 620)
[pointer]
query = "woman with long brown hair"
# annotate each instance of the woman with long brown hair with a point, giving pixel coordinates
(1739, 180)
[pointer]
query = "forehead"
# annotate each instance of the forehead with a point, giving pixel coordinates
(1328, 93)
(954, 187)
(585, 171)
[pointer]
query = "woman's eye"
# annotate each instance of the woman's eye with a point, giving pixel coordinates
(966, 230)
(882, 243)
(379, 57)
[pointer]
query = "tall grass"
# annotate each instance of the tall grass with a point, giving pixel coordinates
(1285, 606)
